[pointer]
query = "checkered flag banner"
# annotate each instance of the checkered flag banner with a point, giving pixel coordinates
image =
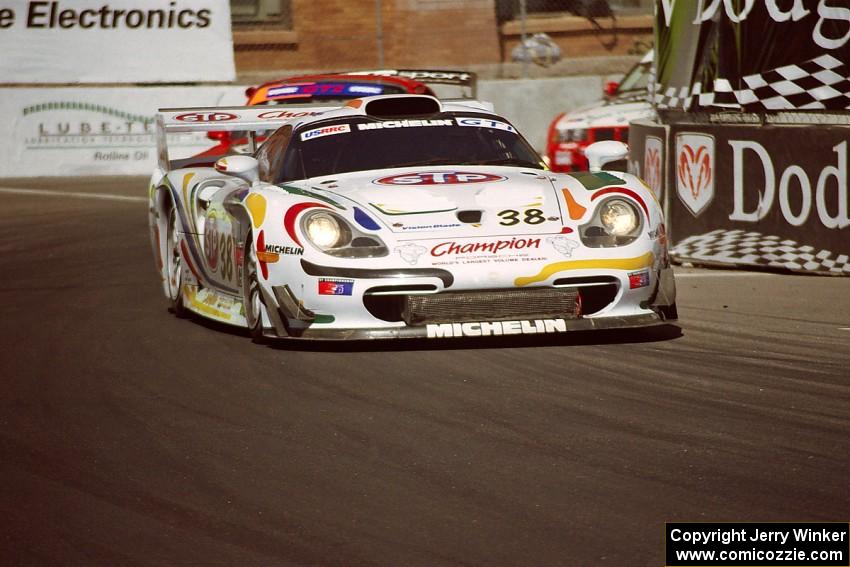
(738, 247)
(822, 83)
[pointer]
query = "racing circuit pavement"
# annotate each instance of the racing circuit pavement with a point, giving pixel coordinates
(129, 437)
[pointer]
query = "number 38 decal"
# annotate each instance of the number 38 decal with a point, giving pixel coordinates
(511, 217)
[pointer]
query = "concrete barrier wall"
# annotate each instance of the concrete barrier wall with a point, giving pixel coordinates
(109, 131)
(531, 104)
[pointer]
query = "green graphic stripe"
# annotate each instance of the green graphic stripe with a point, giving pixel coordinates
(47, 106)
(296, 191)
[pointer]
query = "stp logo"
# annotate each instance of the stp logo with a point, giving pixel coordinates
(695, 170)
(206, 117)
(438, 178)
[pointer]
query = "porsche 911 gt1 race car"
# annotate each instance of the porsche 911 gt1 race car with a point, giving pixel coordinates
(402, 216)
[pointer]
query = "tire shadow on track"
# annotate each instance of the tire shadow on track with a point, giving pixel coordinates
(658, 333)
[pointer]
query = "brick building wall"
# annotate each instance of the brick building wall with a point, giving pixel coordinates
(343, 34)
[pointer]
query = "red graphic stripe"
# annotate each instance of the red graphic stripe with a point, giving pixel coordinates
(290, 216)
(624, 191)
(188, 261)
(261, 247)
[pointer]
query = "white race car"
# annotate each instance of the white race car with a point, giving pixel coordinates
(402, 216)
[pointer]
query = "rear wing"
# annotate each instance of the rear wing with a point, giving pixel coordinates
(246, 119)
(466, 80)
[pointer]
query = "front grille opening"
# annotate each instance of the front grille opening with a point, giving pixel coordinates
(597, 292)
(385, 307)
(467, 306)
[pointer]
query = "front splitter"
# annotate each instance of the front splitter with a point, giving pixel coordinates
(477, 329)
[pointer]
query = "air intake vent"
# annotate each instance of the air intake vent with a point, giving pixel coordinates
(457, 307)
(398, 106)
(469, 217)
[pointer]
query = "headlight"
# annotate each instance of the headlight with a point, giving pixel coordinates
(618, 217)
(332, 234)
(325, 231)
(616, 222)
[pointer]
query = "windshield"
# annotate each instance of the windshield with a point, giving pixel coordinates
(366, 143)
(636, 79)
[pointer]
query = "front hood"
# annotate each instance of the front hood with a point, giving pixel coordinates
(605, 115)
(456, 201)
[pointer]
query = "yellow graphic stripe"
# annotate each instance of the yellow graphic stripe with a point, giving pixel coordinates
(204, 308)
(637, 263)
(256, 204)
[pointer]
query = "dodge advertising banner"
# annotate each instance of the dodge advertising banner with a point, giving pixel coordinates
(120, 41)
(759, 55)
(774, 196)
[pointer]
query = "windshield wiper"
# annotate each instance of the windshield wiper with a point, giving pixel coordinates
(506, 161)
(435, 161)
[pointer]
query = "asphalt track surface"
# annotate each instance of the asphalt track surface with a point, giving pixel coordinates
(129, 437)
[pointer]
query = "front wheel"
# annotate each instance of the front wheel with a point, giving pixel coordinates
(174, 267)
(252, 298)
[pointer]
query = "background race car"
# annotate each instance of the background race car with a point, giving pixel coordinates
(331, 88)
(570, 133)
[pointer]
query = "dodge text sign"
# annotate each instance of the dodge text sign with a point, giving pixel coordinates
(92, 41)
(772, 195)
(779, 197)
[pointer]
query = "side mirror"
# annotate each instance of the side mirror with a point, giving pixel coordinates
(600, 153)
(611, 88)
(243, 167)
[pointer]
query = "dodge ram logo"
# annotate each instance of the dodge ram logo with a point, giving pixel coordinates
(206, 117)
(695, 170)
(438, 178)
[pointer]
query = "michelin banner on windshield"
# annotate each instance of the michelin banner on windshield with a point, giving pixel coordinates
(745, 196)
(119, 41)
(759, 55)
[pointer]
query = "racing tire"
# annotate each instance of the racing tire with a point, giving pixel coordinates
(252, 298)
(174, 267)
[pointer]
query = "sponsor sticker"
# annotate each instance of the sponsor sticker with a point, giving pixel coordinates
(390, 124)
(336, 287)
(496, 328)
(563, 245)
(695, 170)
(325, 89)
(365, 89)
(638, 279)
(487, 246)
(439, 178)
(484, 123)
(325, 131)
(281, 91)
(284, 114)
(284, 250)
(410, 253)
(206, 117)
